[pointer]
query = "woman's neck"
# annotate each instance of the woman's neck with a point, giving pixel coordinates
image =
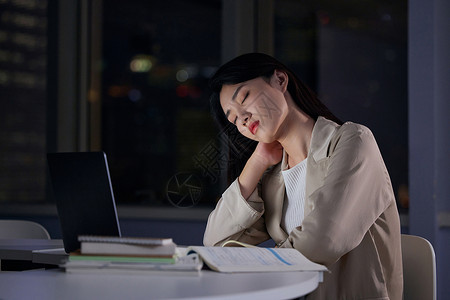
(296, 135)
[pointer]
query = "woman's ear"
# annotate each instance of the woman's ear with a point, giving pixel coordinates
(279, 80)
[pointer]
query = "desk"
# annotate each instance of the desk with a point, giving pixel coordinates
(56, 284)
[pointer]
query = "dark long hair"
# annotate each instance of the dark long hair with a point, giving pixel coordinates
(247, 67)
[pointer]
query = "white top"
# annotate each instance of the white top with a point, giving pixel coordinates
(294, 205)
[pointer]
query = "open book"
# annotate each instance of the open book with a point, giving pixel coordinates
(254, 259)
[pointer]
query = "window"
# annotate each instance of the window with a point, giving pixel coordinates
(23, 65)
(156, 125)
(354, 55)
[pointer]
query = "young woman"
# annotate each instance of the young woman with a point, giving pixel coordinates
(311, 183)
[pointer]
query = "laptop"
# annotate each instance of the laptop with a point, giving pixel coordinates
(84, 196)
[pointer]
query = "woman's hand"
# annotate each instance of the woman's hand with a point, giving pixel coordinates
(264, 156)
(268, 154)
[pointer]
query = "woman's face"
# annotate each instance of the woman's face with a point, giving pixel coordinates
(257, 107)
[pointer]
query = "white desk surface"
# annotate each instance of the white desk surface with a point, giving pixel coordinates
(56, 284)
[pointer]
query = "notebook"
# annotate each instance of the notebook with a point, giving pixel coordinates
(84, 196)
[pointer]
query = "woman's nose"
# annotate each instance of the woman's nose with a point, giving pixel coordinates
(244, 118)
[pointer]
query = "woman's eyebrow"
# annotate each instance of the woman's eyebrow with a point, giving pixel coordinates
(236, 92)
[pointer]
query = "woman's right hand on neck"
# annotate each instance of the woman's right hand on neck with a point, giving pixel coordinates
(269, 154)
(264, 156)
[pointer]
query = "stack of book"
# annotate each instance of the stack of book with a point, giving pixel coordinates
(129, 255)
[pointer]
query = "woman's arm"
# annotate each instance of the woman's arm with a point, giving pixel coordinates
(238, 214)
(236, 218)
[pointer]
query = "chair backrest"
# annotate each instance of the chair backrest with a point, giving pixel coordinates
(20, 229)
(419, 268)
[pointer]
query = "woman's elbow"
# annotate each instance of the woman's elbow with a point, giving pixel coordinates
(207, 241)
(209, 238)
(321, 250)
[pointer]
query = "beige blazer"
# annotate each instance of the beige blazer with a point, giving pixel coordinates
(351, 222)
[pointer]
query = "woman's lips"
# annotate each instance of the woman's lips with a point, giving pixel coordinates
(253, 127)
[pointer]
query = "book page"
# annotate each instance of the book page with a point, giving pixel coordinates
(237, 259)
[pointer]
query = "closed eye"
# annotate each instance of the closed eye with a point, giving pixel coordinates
(245, 98)
(235, 119)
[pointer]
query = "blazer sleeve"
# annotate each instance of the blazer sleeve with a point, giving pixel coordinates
(235, 218)
(355, 191)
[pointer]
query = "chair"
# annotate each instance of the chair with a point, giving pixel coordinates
(19, 229)
(419, 268)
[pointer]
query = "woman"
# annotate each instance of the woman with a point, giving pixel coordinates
(311, 183)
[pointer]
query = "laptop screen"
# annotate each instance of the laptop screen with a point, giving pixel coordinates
(84, 196)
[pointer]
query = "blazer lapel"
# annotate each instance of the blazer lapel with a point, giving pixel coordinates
(317, 163)
(322, 134)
